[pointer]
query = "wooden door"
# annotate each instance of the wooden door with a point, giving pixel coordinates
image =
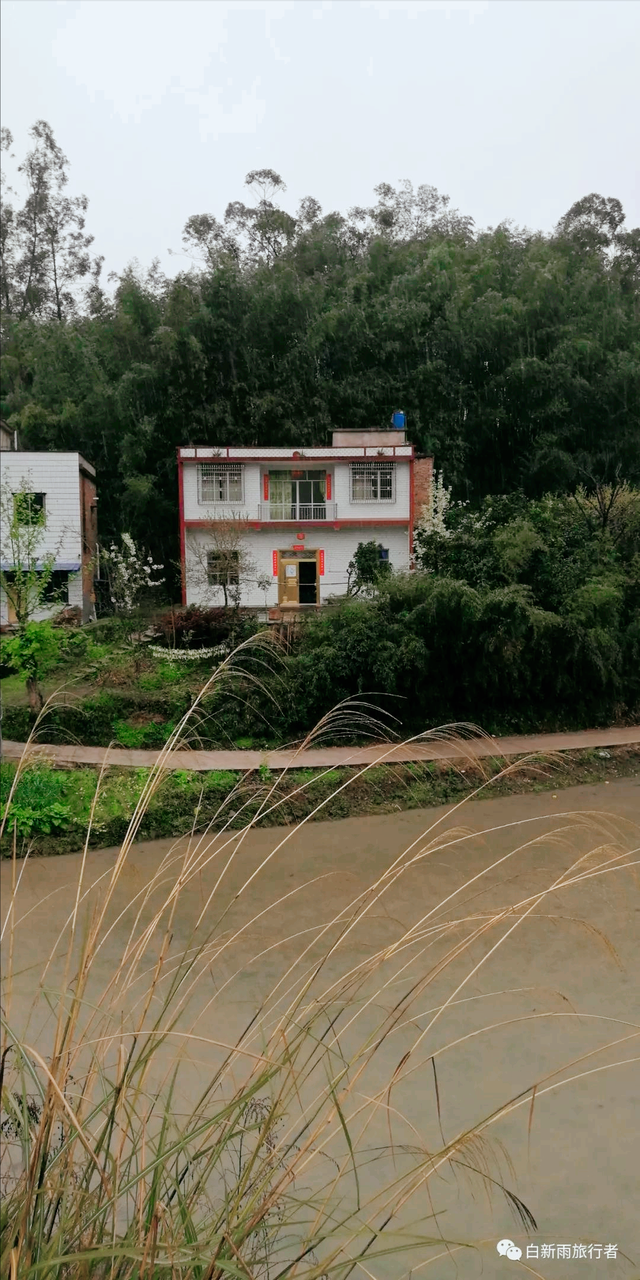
(297, 579)
(288, 582)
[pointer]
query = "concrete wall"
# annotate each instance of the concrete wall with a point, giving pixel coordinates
(194, 510)
(352, 436)
(338, 547)
(57, 476)
(346, 510)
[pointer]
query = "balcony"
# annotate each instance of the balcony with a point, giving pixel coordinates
(297, 512)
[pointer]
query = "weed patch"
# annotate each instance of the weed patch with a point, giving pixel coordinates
(299, 794)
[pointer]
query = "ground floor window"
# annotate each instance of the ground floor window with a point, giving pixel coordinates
(55, 592)
(57, 589)
(223, 568)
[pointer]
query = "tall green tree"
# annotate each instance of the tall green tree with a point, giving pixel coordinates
(45, 248)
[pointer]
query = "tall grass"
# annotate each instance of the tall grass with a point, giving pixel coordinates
(206, 1082)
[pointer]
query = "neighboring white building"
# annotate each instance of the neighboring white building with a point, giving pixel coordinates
(63, 487)
(296, 516)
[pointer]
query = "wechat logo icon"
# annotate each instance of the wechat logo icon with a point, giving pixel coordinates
(507, 1249)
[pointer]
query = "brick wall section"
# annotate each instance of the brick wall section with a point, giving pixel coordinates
(89, 520)
(422, 481)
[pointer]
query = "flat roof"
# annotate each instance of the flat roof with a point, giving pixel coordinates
(48, 453)
(203, 453)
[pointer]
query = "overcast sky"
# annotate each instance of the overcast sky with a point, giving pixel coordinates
(513, 109)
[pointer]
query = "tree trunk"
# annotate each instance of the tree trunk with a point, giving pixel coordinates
(34, 693)
(55, 281)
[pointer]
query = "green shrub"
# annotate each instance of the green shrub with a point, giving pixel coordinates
(597, 604)
(432, 649)
(32, 651)
(554, 545)
(38, 804)
(200, 628)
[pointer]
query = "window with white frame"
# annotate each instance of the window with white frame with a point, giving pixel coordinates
(220, 482)
(373, 482)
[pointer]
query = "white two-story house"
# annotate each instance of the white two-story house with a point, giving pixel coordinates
(55, 493)
(277, 528)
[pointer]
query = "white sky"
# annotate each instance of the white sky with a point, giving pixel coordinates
(513, 108)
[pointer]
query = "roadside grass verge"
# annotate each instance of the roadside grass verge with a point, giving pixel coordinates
(51, 807)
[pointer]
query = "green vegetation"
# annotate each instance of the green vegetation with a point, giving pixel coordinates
(514, 354)
(51, 807)
(521, 615)
(33, 652)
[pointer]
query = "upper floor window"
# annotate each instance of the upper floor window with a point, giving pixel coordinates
(220, 482)
(29, 508)
(373, 482)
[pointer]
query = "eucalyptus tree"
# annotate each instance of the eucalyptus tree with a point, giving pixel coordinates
(45, 246)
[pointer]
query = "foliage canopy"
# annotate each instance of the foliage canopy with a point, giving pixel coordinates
(515, 354)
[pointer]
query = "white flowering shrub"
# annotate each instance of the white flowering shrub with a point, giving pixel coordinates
(431, 519)
(432, 516)
(188, 655)
(129, 572)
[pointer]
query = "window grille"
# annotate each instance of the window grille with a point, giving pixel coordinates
(373, 482)
(223, 568)
(218, 482)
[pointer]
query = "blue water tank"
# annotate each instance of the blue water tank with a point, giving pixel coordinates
(398, 420)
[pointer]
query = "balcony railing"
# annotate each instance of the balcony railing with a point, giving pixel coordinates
(298, 511)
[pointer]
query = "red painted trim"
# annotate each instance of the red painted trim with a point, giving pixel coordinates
(183, 558)
(328, 484)
(274, 563)
(321, 563)
(308, 524)
(265, 486)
